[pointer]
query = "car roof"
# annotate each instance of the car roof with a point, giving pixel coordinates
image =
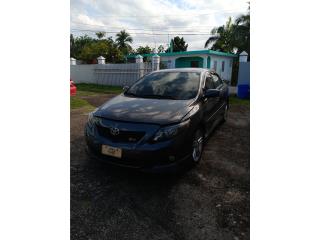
(199, 70)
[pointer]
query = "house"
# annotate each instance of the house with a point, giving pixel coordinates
(221, 62)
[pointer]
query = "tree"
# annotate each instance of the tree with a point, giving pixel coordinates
(178, 45)
(232, 37)
(77, 44)
(223, 38)
(123, 39)
(143, 50)
(105, 47)
(242, 33)
(100, 35)
(161, 49)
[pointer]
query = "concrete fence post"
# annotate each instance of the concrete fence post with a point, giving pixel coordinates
(73, 61)
(155, 62)
(139, 60)
(243, 57)
(101, 60)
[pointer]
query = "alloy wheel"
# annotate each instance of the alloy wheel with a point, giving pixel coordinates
(197, 146)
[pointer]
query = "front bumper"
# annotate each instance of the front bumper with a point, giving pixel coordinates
(166, 156)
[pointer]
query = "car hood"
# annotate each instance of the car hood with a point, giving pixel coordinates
(146, 110)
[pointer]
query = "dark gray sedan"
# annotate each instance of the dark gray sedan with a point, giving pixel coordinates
(160, 122)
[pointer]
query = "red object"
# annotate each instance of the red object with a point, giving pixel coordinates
(73, 88)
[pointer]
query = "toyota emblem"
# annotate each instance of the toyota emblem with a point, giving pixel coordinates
(114, 131)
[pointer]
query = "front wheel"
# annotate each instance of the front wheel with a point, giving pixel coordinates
(197, 146)
(225, 113)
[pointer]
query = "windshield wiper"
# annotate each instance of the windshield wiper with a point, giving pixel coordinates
(157, 96)
(130, 94)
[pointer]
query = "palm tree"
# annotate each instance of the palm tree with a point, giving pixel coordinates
(223, 38)
(100, 34)
(123, 39)
(242, 33)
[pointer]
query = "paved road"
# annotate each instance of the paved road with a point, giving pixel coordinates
(210, 201)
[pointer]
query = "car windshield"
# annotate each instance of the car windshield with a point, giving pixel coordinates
(167, 85)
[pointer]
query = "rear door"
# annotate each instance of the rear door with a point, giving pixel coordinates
(211, 105)
(223, 88)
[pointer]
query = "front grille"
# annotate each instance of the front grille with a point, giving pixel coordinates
(123, 136)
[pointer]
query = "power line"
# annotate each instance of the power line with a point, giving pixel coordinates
(145, 29)
(177, 15)
(175, 33)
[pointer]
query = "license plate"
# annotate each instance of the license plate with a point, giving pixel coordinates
(111, 151)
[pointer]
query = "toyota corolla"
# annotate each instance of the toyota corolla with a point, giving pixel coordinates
(160, 122)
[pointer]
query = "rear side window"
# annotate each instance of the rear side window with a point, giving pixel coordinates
(222, 67)
(209, 82)
(217, 81)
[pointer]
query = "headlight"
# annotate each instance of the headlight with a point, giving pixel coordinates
(169, 132)
(90, 116)
(92, 120)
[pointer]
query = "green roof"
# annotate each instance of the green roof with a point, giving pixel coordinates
(211, 52)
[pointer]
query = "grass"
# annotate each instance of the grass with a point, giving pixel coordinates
(76, 102)
(238, 101)
(89, 89)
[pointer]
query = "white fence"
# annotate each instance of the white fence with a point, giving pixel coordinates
(109, 74)
(112, 74)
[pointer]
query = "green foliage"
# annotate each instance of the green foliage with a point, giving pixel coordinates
(144, 50)
(88, 49)
(178, 44)
(161, 49)
(223, 38)
(233, 100)
(91, 51)
(95, 88)
(77, 44)
(232, 37)
(76, 102)
(123, 40)
(100, 35)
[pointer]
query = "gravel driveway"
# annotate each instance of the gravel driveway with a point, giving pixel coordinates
(210, 201)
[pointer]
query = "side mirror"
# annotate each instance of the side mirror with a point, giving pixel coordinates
(125, 88)
(226, 82)
(211, 93)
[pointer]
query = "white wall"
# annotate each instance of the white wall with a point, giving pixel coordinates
(226, 74)
(83, 73)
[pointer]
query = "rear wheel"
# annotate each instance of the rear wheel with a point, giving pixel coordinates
(197, 146)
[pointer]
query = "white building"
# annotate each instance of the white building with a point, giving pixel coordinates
(221, 62)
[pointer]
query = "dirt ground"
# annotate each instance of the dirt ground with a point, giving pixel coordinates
(210, 201)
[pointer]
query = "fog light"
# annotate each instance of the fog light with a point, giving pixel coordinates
(172, 158)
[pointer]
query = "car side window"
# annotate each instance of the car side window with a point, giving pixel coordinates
(209, 82)
(217, 81)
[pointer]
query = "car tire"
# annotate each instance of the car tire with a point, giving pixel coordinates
(197, 146)
(225, 113)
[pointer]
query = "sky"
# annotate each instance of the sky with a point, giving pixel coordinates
(154, 22)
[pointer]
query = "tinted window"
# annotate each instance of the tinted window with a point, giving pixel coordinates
(217, 81)
(209, 83)
(176, 85)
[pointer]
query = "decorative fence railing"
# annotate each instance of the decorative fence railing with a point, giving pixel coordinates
(120, 74)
